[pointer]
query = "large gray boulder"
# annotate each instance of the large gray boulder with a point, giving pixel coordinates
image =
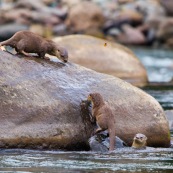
(40, 105)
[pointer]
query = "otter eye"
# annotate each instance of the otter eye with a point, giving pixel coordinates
(140, 137)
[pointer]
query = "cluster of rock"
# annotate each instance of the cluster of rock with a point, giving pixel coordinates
(126, 21)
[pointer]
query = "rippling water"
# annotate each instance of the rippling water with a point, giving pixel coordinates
(159, 65)
(155, 160)
(158, 62)
(163, 95)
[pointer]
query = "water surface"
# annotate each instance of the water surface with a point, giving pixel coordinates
(154, 160)
(159, 66)
(158, 62)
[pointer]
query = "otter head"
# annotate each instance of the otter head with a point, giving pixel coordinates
(139, 141)
(95, 98)
(61, 53)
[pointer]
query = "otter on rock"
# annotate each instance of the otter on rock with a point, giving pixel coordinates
(139, 141)
(26, 42)
(104, 117)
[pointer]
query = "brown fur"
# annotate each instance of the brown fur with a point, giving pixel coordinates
(139, 141)
(27, 42)
(103, 116)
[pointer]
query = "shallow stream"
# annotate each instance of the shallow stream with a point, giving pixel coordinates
(159, 65)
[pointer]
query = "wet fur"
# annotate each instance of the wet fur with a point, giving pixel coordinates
(27, 42)
(104, 117)
(139, 141)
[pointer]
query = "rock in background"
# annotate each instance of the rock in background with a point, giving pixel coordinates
(105, 57)
(131, 22)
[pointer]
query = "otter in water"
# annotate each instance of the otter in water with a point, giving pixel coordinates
(104, 117)
(139, 141)
(100, 142)
(26, 42)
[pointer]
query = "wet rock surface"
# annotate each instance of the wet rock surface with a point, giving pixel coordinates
(105, 57)
(40, 106)
(100, 142)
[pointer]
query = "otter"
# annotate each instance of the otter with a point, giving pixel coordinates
(26, 42)
(100, 142)
(139, 141)
(104, 117)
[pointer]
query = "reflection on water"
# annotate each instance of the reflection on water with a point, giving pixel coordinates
(158, 62)
(153, 160)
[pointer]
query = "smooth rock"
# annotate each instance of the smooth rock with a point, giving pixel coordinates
(39, 6)
(83, 16)
(40, 106)
(151, 9)
(131, 36)
(60, 29)
(112, 58)
(131, 16)
(20, 16)
(31, 4)
(165, 31)
(100, 142)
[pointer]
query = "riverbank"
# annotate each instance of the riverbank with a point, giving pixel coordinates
(131, 22)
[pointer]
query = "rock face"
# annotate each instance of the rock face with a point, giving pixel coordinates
(83, 16)
(111, 58)
(40, 105)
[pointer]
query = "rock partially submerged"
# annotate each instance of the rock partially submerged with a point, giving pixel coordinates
(100, 142)
(40, 106)
(105, 57)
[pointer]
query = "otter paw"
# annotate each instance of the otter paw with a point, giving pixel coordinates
(2, 48)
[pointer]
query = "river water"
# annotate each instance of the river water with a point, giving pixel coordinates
(159, 65)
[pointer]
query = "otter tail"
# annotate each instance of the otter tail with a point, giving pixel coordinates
(7, 42)
(112, 139)
(4, 43)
